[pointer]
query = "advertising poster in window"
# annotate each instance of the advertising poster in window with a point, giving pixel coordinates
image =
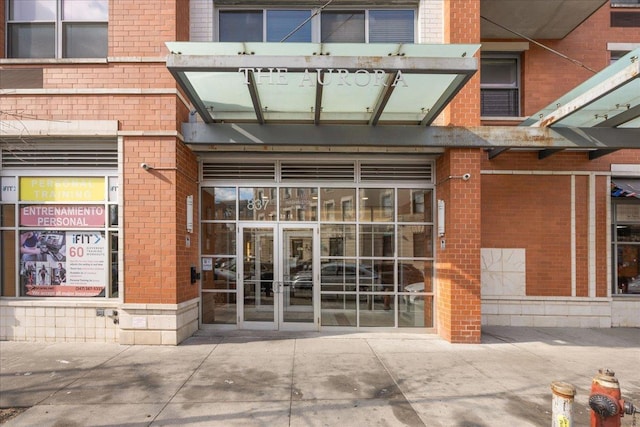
(63, 263)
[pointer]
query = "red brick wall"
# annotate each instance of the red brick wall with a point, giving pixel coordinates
(547, 76)
(140, 27)
(156, 257)
(458, 264)
(533, 211)
(462, 25)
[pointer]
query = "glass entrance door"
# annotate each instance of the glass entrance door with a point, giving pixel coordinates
(277, 277)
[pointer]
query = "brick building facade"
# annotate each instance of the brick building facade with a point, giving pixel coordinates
(528, 237)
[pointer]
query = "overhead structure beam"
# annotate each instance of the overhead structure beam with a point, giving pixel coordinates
(599, 153)
(387, 90)
(621, 118)
(491, 137)
(543, 154)
(317, 109)
(495, 152)
(255, 97)
(621, 78)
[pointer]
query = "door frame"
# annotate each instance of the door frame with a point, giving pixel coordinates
(278, 322)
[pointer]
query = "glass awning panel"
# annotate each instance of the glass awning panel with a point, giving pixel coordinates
(321, 83)
(611, 98)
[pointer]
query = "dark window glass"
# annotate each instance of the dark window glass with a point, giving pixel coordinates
(391, 26)
(240, 26)
(282, 25)
(32, 41)
(85, 40)
(342, 27)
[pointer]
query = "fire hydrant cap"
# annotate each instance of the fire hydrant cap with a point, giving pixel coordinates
(563, 389)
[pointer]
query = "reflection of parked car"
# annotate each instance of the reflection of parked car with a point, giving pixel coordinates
(634, 285)
(335, 273)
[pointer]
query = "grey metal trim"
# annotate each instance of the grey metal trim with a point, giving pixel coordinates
(255, 97)
(495, 152)
(383, 98)
(185, 84)
(543, 154)
(406, 64)
(411, 136)
(318, 104)
(596, 154)
(445, 98)
(622, 118)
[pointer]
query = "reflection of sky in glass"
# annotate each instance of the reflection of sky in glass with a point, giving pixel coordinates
(83, 10)
(32, 10)
(246, 193)
(225, 194)
(45, 10)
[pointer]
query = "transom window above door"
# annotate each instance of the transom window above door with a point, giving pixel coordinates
(311, 25)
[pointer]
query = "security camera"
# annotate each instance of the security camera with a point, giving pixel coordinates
(466, 176)
(145, 166)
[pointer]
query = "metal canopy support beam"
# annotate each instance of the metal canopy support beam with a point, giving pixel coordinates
(428, 136)
(543, 154)
(630, 72)
(599, 153)
(185, 84)
(318, 104)
(255, 98)
(495, 152)
(405, 64)
(383, 98)
(445, 98)
(622, 118)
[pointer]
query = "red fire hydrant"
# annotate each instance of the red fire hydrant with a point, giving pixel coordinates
(605, 401)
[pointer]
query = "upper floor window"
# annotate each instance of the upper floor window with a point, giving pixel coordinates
(57, 28)
(331, 26)
(499, 85)
(625, 3)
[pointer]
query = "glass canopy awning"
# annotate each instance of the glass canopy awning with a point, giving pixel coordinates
(312, 83)
(611, 99)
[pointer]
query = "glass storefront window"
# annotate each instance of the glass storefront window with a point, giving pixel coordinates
(59, 236)
(338, 240)
(377, 240)
(338, 204)
(256, 204)
(376, 254)
(626, 241)
(377, 204)
(415, 205)
(218, 239)
(415, 241)
(298, 204)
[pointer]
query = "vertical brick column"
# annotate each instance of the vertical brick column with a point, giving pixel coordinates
(458, 251)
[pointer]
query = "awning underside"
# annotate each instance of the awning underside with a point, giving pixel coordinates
(320, 83)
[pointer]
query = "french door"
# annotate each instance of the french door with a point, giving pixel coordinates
(278, 276)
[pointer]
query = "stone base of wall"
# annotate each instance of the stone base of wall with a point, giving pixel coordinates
(625, 311)
(58, 320)
(548, 312)
(158, 324)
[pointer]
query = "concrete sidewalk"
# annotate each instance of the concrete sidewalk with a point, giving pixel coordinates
(244, 378)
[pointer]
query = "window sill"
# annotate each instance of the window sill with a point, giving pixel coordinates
(51, 61)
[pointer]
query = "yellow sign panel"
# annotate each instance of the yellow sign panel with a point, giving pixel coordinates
(62, 189)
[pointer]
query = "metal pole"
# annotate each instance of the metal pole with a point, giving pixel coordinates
(562, 404)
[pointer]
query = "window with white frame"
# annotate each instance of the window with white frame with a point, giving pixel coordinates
(57, 28)
(306, 25)
(499, 85)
